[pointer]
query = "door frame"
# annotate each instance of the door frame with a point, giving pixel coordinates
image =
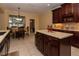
(34, 24)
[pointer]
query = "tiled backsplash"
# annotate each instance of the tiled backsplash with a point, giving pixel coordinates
(68, 26)
(58, 26)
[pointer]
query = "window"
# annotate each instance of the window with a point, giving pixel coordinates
(16, 21)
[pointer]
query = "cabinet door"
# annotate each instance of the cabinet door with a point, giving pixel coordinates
(76, 10)
(46, 48)
(69, 12)
(50, 50)
(39, 41)
(50, 46)
(67, 8)
(57, 15)
(60, 15)
(36, 40)
(53, 51)
(46, 41)
(53, 47)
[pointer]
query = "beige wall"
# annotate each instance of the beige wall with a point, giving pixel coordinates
(45, 19)
(27, 17)
(41, 21)
(1, 19)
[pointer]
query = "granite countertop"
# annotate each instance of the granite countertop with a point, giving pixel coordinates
(2, 37)
(77, 30)
(57, 34)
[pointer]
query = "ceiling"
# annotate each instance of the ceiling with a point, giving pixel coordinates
(30, 7)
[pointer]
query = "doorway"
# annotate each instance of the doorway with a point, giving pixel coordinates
(32, 25)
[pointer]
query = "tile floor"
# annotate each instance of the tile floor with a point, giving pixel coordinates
(26, 47)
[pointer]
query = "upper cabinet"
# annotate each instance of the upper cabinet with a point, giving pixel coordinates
(77, 12)
(68, 12)
(57, 15)
(67, 9)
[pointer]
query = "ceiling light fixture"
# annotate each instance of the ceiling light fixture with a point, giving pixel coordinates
(18, 16)
(48, 4)
(18, 12)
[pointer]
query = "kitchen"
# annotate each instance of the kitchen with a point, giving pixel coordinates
(61, 34)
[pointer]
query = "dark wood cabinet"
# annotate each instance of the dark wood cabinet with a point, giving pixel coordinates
(75, 41)
(57, 15)
(46, 45)
(75, 38)
(67, 8)
(68, 12)
(50, 46)
(76, 6)
(40, 41)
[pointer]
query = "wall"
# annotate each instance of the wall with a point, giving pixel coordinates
(41, 21)
(27, 17)
(45, 19)
(1, 17)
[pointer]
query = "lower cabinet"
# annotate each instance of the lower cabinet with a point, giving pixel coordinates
(50, 50)
(50, 46)
(39, 41)
(53, 50)
(45, 46)
(75, 41)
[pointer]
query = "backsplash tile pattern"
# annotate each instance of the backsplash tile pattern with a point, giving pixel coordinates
(67, 26)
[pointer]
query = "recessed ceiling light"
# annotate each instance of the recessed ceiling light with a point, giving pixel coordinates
(48, 4)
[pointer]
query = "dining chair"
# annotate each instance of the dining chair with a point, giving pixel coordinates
(21, 32)
(27, 30)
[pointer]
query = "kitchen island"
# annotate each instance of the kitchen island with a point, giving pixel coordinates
(53, 43)
(4, 41)
(75, 32)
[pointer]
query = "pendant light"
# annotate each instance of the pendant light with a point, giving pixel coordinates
(18, 16)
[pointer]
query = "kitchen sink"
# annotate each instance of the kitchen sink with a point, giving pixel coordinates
(1, 33)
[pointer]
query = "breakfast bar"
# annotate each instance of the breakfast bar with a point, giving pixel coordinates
(53, 43)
